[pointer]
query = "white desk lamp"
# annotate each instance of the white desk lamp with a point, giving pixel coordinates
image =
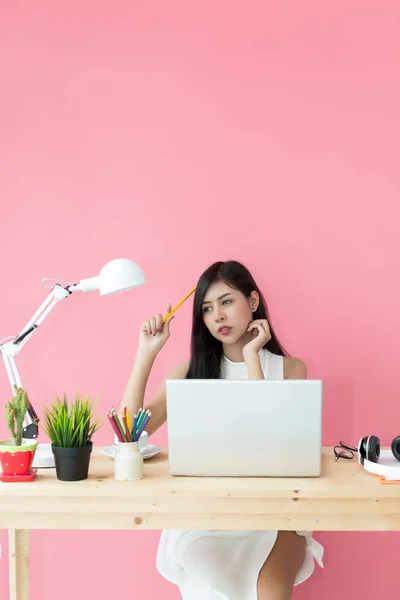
(117, 275)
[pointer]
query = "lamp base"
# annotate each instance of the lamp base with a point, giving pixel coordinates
(44, 457)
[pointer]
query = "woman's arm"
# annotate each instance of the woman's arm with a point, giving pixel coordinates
(253, 364)
(262, 335)
(134, 394)
(158, 404)
(154, 334)
(293, 368)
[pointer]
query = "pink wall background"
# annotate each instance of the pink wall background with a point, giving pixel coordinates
(178, 136)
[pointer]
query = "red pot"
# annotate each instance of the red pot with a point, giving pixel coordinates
(17, 460)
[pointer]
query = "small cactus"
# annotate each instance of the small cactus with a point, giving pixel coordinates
(15, 413)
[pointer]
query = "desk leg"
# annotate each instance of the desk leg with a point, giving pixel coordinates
(18, 553)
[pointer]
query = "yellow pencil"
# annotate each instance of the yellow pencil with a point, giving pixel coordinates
(179, 304)
(128, 419)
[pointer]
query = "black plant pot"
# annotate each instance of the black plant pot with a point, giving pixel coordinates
(72, 464)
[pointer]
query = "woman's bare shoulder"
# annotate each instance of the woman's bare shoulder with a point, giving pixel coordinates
(294, 368)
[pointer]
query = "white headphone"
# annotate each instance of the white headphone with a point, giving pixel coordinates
(380, 462)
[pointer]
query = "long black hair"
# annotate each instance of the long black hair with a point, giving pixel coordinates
(206, 350)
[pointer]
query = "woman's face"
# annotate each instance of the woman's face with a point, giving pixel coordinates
(227, 313)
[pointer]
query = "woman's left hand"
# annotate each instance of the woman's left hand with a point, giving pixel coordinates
(262, 335)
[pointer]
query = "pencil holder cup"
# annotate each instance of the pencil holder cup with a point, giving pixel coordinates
(128, 462)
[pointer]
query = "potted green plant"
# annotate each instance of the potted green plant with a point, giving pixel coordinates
(70, 427)
(16, 454)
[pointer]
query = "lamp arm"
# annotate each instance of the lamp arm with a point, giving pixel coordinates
(11, 349)
(56, 294)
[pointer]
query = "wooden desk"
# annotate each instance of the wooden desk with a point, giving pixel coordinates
(345, 497)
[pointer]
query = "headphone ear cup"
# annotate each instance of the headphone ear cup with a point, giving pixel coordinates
(396, 447)
(362, 449)
(373, 448)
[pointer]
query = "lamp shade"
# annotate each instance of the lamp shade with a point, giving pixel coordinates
(117, 275)
(120, 274)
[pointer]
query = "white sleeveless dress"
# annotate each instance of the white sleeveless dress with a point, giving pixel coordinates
(224, 565)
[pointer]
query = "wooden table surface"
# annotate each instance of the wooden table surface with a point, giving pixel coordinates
(344, 497)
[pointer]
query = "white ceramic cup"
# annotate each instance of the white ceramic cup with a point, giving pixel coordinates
(142, 443)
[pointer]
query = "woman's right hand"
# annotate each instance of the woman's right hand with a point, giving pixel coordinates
(154, 333)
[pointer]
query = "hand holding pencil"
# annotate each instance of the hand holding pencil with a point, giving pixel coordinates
(155, 332)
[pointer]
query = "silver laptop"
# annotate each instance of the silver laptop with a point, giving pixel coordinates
(265, 428)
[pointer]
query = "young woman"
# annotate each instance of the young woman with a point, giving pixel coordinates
(232, 338)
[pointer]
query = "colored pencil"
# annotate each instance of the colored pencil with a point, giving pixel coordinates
(115, 417)
(142, 427)
(127, 430)
(139, 417)
(142, 418)
(114, 427)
